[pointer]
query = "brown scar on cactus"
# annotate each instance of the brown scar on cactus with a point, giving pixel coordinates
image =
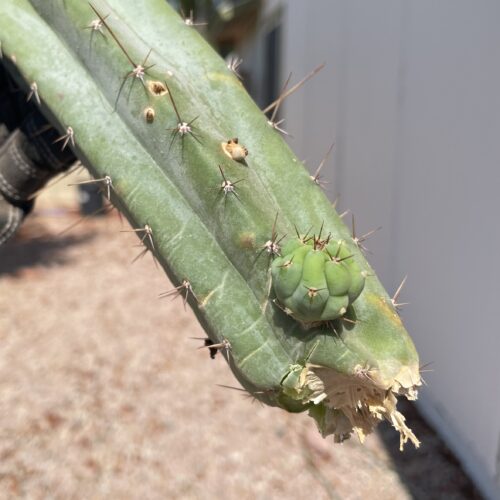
(157, 88)
(234, 150)
(149, 114)
(183, 290)
(139, 70)
(246, 240)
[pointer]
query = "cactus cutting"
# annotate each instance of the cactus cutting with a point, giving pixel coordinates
(148, 106)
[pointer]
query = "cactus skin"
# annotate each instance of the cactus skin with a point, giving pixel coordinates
(316, 280)
(347, 375)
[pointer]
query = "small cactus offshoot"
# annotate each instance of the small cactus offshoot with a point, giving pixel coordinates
(316, 280)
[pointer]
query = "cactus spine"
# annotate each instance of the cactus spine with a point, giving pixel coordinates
(148, 105)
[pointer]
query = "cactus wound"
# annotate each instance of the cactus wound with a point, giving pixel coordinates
(234, 150)
(149, 114)
(342, 404)
(157, 88)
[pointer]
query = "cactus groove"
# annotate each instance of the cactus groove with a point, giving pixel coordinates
(146, 103)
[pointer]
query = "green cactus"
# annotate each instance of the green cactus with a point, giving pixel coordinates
(153, 111)
(317, 280)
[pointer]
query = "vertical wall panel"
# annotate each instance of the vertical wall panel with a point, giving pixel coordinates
(411, 94)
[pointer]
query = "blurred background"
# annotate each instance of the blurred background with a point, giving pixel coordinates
(104, 394)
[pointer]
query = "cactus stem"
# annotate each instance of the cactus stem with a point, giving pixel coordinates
(358, 240)
(398, 305)
(67, 138)
(106, 180)
(33, 93)
(233, 65)
(184, 289)
(296, 87)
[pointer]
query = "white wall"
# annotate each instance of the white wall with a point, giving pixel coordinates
(411, 94)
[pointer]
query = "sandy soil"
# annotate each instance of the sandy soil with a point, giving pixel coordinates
(104, 394)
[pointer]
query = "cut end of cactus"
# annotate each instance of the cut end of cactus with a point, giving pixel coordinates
(356, 403)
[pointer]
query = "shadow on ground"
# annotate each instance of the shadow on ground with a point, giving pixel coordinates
(423, 480)
(35, 246)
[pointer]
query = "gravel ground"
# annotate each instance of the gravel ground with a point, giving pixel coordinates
(103, 393)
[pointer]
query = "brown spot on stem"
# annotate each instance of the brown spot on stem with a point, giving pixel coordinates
(157, 88)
